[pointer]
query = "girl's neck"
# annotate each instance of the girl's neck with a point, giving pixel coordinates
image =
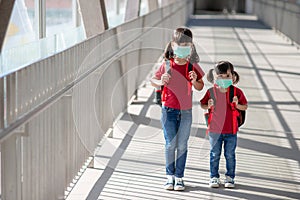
(180, 61)
(223, 90)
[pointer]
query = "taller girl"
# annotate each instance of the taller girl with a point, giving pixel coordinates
(178, 73)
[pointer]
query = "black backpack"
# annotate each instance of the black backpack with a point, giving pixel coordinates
(242, 113)
(158, 92)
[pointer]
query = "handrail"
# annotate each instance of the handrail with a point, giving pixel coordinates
(68, 101)
(283, 16)
(8, 131)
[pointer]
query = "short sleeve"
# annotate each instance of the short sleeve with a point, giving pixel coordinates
(160, 71)
(241, 97)
(205, 99)
(198, 71)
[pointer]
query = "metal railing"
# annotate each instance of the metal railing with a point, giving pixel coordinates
(281, 15)
(55, 112)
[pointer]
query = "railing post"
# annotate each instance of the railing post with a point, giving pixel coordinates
(10, 107)
(11, 168)
(132, 9)
(1, 103)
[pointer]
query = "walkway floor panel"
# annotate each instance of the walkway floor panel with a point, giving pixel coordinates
(131, 164)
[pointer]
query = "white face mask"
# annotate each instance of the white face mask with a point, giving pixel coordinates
(224, 83)
(182, 51)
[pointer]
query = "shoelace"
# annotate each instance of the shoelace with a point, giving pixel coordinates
(179, 181)
(229, 180)
(214, 180)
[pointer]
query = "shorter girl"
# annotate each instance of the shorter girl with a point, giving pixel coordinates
(223, 127)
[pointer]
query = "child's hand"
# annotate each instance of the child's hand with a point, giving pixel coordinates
(235, 100)
(165, 78)
(210, 103)
(192, 75)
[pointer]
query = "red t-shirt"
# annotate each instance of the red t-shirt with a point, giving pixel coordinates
(178, 92)
(221, 121)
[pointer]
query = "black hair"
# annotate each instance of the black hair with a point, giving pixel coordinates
(222, 68)
(182, 35)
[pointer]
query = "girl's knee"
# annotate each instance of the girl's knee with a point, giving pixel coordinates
(170, 146)
(229, 156)
(182, 147)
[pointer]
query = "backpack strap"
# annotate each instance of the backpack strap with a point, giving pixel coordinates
(235, 112)
(232, 92)
(190, 67)
(212, 95)
(168, 64)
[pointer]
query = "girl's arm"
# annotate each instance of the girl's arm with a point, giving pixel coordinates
(204, 106)
(241, 107)
(237, 105)
(198, 85)
(209, 104)
(156, 82)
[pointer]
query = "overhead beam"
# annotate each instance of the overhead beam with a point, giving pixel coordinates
(92, 17)
(132, 9)
(76, 14)
(167, 2)
(104, 15)
(41, 18)
(153, 5)
(6, 8)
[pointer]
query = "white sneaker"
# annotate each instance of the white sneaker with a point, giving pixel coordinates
(229, 182)
(214, 182)
(169, 185)
(179, 185)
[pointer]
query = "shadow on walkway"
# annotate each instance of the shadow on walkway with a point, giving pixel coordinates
(268, 144)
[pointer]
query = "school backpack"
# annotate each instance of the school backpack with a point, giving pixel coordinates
(159, 91)
(240, 114)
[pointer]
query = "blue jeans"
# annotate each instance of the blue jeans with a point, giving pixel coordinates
(176, 126)
(230, 141)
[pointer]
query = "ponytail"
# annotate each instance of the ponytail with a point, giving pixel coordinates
(194, 58)
(210, 76)
(168, 53)
(236, 77)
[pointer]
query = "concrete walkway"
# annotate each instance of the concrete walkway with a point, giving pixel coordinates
(131, 164)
